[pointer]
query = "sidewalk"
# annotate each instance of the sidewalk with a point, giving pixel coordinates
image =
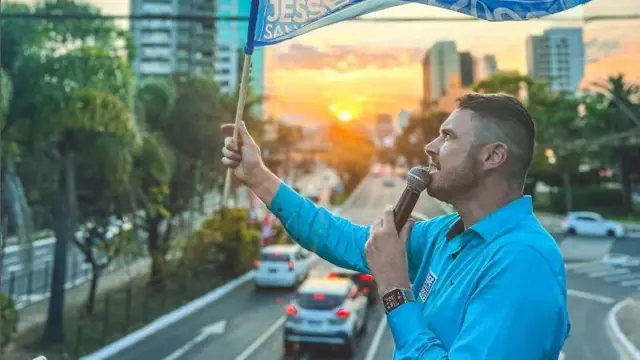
(628, 318)
(36, 314)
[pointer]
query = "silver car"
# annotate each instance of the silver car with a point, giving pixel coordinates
(325, 311)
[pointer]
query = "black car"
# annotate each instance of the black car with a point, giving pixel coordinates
(364, 281)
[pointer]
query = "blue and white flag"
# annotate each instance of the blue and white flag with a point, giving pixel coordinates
(274, 21)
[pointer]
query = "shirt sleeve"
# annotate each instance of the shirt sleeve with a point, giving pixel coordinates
(517, 311)
(333, 238)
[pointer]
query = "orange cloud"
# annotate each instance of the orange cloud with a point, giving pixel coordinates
(344, 58)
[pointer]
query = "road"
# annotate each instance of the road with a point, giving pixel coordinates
(594, 288)
(254, 318)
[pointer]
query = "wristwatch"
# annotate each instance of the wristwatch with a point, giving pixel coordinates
(396, 297)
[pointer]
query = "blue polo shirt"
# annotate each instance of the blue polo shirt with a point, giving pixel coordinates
(495, 291)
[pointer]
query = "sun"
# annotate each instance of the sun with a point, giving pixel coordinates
(344, 116)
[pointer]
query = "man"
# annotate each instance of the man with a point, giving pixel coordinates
(487, 282)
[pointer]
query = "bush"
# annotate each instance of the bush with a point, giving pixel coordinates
(592, 198)
(227, 241)
(8, 319)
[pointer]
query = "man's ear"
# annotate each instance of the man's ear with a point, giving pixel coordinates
(494, 155)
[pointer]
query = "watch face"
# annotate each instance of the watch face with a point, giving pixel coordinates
(393, 299)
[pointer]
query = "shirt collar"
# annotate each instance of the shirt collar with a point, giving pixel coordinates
(497, 222)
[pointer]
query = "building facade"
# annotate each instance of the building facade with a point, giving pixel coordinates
(166, 47)
(557, 56)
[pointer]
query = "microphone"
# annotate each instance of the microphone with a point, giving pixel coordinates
(417, 181)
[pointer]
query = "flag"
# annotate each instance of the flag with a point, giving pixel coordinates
(274, 21)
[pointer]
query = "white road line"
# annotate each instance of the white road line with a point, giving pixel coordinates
(589, 296)
(630, 282)
(609, 272)
(579, 265)
(595, 267)
(628, 276)
(377, 337)
(256, 344)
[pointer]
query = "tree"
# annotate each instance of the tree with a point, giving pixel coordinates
(101, 243)
(82, 94)
(188, 126)
(507, 82)
(624, 115)
(351, 153)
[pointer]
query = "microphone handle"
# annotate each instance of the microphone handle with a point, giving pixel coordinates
(404, 207)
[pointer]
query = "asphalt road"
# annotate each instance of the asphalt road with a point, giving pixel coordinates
(254, 318)
(595, 286)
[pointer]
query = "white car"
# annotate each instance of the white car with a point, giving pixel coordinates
(282, 266)
(591, 223)
(325, 311)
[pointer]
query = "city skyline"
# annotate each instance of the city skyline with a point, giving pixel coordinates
(371, 68)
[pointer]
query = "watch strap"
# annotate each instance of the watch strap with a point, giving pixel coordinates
(396, 297)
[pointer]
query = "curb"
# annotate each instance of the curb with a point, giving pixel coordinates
(168, 319)
(630, 350)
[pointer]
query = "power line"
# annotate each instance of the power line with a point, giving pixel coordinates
(208, 18)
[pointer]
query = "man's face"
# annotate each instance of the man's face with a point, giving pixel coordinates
(457, 169)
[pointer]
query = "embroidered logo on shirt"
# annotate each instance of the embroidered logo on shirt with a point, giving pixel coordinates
(428, 285)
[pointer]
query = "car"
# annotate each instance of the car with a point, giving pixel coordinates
(591, 223)
(388, 181)
(364, 281)
(282, 266)
(325, 311)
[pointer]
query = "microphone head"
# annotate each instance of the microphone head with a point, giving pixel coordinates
(418, 178)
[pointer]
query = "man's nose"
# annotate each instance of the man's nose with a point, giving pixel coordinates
(432, 149)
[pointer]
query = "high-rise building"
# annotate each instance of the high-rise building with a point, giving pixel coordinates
(558, 57)
(466, 69)
(441, 66)
(484, 66)
(232, 36)
(166, 47)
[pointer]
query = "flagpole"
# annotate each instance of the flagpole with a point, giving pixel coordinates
(242, 97)
(244, 86)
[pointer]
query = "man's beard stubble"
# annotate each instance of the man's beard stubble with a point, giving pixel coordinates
(450, 183)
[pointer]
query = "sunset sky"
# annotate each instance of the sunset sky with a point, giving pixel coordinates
(371, 68)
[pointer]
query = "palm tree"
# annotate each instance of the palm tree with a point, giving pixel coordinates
(624, 99)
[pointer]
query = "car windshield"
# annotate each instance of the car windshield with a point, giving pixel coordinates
(319, 301)
(275, 257)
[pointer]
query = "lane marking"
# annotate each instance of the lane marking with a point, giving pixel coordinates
(260, 340)
(589, 296)
(630, 282)
(609, 272)
(628, 276)
(628, 347)
(579, 265)
(377, 338)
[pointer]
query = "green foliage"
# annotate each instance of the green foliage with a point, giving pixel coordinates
(592, 198)
(351, 153)
(508, 82)
(227, 240)
(9, 320)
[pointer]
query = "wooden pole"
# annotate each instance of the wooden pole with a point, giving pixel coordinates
(242, 97)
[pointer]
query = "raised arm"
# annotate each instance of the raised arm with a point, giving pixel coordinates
(333, 238)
